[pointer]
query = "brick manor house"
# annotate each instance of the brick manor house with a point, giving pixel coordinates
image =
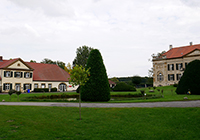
(169, 67)
(21, 76)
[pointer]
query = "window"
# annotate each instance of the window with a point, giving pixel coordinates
(7, 86)
(35, 85)
(62, 87)
(170, 77)
(27, 86)
(160, 77)
(18, 74)
(8, 73)
(17, 87)
(170, 67)
(43, 85)
(27, 75)
(179, 66)
(178, 76)
(49, 85)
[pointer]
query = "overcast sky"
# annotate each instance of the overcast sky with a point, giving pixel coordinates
(127, 32)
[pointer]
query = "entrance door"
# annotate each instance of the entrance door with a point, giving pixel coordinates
(62, 87)
(17, 87)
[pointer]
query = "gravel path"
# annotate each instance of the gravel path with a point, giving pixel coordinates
(105, 105)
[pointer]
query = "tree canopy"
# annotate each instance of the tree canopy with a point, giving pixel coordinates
(49, 61)
(190, 79)
(82, 54)
(97, 87)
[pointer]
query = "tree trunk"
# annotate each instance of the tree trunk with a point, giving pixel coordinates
(80, 103)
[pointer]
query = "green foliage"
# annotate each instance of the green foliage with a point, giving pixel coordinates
(10, 92)
(97, 87)
(18, 92)
(136, 80)
(49, 61)
(79, 75)
(41, 90)
(190, 79)
(123, 87)
(54, 89)
(82, 54)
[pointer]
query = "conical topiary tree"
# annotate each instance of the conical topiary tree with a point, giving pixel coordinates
(97, 87)
(190, 81)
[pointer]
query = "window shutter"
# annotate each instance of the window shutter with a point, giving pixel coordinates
(4, 86)
(4, 73)
(10, 86)
(176, 66)
(31, 74)
(14, 74)
(21, 74)
(24, 74)
(177, 77)
(173, 77)
(24, 87)
(172, 66)
(168, 67)
(11, 74)
(168, 77)
(30, 86)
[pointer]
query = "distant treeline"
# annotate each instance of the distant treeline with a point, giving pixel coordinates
(137, 81)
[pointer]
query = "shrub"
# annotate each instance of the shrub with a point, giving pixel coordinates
(142, 92)
(54, 89)
(175, 85)
(123, 87)
(190, 79)
(11, 91)
(41, 90)
(78, 89)
(97, 87)
(18, 92)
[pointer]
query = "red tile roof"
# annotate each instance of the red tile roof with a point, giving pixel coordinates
(48, 72)
(181, 51)
(41, 72)
(111, 82)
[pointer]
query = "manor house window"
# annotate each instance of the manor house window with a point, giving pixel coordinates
(170, 67)
(160, 77)
(179, 66)
(170, 77)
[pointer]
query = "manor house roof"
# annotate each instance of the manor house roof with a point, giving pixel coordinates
(181, 51)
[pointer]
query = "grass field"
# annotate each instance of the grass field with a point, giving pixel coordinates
(52, 123)
(169, 95)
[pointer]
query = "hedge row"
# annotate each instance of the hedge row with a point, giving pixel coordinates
(45, 90)
(123, 87)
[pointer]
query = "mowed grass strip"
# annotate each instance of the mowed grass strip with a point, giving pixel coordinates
(51, 123)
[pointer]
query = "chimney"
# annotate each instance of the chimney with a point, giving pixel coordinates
(170, 47)
(190, 43)
(1, 58)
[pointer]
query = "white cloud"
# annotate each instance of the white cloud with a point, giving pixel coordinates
(126, 32)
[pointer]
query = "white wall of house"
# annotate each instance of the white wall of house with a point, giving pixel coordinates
(61, 86)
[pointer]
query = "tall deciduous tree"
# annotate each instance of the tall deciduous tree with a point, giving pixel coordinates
(97, 87)
(68, 67)
(82, 54)
(49, 61)
(79, 76)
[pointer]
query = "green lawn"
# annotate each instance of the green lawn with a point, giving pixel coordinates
(51, 123)
(169, 95)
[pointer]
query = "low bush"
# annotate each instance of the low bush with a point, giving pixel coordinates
(54, 89)
(123, 87)
(10, 92)
(41, 90)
